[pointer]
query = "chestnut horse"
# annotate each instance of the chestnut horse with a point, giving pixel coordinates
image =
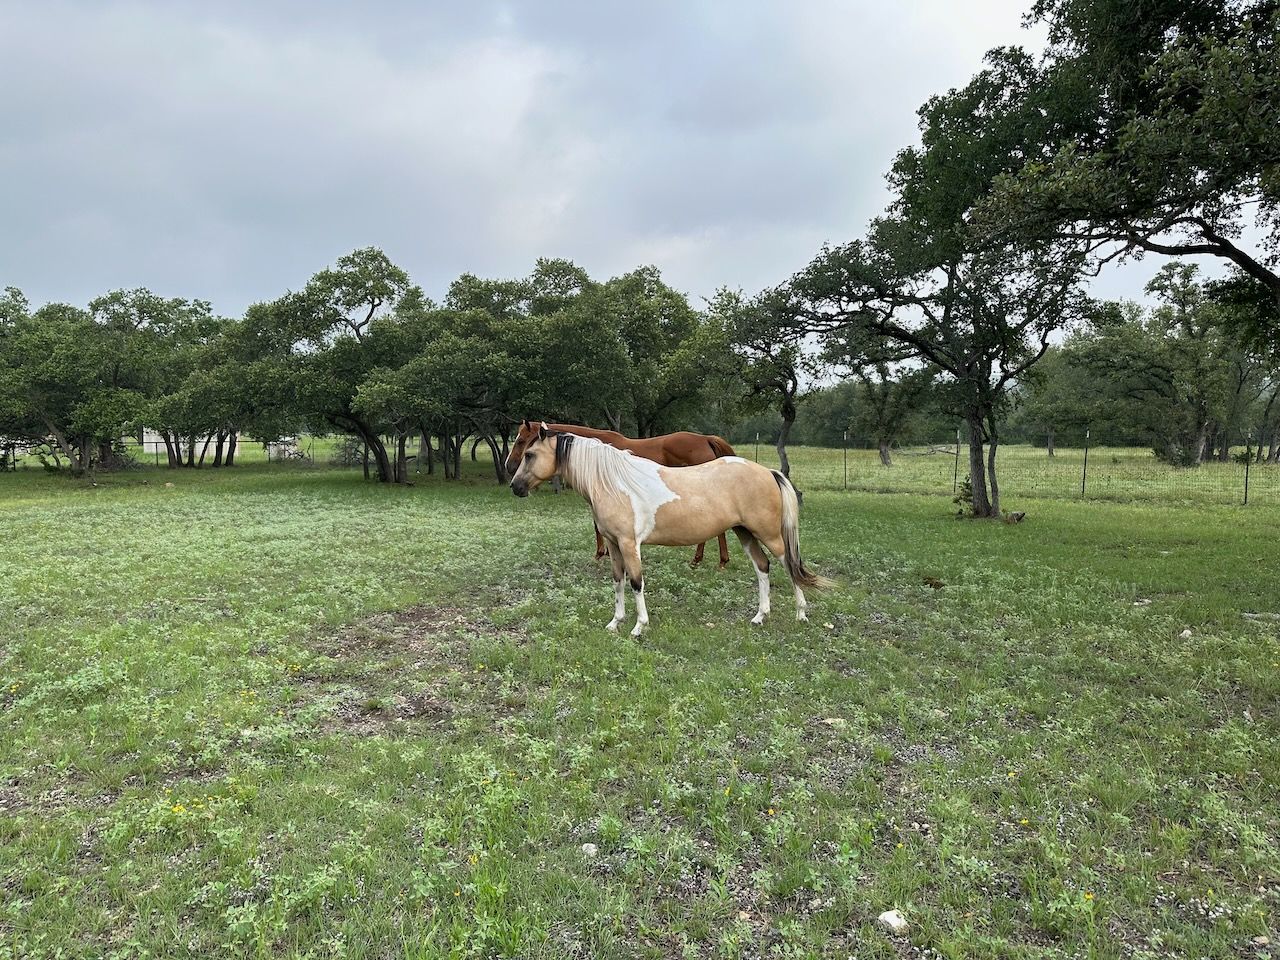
(635, 501)
(681, 449)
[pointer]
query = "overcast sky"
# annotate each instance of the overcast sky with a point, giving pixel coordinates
(227, 151)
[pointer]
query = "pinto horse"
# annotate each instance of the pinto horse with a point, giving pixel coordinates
(681, 449)
(636, 501)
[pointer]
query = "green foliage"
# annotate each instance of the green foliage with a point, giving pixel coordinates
(1159, 132)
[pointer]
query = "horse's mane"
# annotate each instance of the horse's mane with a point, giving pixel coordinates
(592, 467)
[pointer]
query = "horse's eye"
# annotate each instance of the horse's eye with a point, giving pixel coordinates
(528, 456)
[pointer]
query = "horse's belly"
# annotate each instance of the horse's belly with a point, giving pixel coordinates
(684, 527)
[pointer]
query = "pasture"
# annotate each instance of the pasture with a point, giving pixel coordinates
(279, 711)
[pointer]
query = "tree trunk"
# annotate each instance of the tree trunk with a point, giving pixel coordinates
(475, 443)
(425, 451)
(446, 455)
(191, 450)
(460, 439)
(1202, 440)
(977, 467)
(205, 449)
(217, 450)
(364, 458)
(402, 462)
(788, 418)
(499, 461)
(886, 458)
(232, 441)
(992, 484)
(1052, 452)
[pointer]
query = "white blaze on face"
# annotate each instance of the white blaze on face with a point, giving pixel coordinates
(649, 494)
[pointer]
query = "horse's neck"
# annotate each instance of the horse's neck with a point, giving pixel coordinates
(610, 437)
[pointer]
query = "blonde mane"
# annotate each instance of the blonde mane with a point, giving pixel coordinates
(595, 469)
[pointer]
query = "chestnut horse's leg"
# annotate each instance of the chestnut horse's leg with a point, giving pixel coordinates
(724, 553)
(600, 550)
(697, 555)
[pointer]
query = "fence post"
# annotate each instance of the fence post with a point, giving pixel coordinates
(1084, 474)
(955, 477)
(846, 459)
(757, 446)
(1248, 455)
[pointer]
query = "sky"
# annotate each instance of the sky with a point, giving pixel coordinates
(227, 151)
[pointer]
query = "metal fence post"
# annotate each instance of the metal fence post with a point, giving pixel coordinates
(1084, 473)
(955, 477)
(1248, 455)
(846, 459)
(757, 446)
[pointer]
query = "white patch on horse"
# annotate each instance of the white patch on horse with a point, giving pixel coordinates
(733, 460)
(594, 467)
(647, 496)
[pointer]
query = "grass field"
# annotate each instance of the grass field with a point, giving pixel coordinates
(277, 711)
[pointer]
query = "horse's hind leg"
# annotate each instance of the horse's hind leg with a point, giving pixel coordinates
(697, 555)
(777, 546)
(619, 604)
(600, 547)
(635, 573)
(724, 552)
(751, 546)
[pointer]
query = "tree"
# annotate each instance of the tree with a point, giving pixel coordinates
(1161, 133)
(768, 357)
(319, 344)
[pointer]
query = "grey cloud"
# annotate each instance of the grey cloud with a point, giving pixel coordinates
(228, 151)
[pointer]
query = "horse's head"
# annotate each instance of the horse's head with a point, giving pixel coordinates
(539, 459)
(527, 433)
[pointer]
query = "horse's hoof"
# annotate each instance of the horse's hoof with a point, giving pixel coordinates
(637, 630)
(723, 564)
(758, 619)
(612, 626)
(802, 616)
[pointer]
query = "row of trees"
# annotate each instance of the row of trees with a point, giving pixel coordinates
(1143, 128)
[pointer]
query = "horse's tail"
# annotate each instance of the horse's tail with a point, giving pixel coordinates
(720, 447)
(801, 575)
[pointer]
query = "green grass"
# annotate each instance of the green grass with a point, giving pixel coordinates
(278, 711)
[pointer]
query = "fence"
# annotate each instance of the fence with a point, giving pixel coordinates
(1098, 473)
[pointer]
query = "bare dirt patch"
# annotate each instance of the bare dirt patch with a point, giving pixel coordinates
(406, 671)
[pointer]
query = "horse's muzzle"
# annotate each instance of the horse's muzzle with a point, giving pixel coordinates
(519, 488)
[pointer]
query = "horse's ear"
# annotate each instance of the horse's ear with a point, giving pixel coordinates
(524, 422)
(542, 430)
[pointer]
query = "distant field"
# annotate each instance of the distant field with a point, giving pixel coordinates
(281, 712)
(1114, 473)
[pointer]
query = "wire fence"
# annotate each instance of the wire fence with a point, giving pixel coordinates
(1097, 473)
(1078, 473)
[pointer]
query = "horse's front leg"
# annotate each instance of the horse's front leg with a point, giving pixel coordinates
(619, 605)
(697, 555)
(600, 547)
(724, 552)
(635, 574)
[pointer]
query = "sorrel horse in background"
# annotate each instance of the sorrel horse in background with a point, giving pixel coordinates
(636, 501)
(681, 449)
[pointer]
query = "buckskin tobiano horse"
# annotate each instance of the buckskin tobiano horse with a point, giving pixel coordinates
(636, 501)
(681, 449)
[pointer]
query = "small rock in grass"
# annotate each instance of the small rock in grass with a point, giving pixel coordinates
(590, 851)
(838, 723)
(1142, 603)
(1185, 634)
(1261, 941)
(894, 921)
(169, 485)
